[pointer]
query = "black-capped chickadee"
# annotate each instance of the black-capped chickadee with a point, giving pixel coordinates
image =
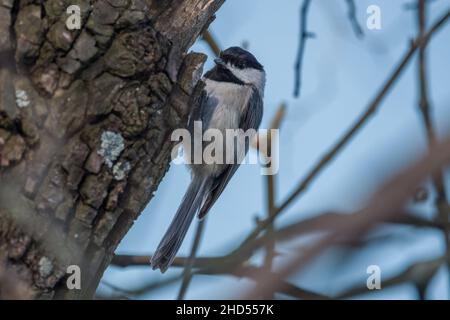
(233, 100)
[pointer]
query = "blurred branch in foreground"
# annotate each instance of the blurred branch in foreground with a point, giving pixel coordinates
(419, 274)
(204, 267)
(237, 265)
(320, 223)
(385, 204)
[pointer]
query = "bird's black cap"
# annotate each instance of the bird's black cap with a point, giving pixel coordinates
(240, 58)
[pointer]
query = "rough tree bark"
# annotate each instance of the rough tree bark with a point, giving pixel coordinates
(85, 123)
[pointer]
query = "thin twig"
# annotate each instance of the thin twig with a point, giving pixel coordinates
(245, 271)
(304, 35)
(270, 246)
(353, 20)
(249, 271)
(441, 201)
(187, 274)
(146, 288)
(212, 43)
(424, 105)
(413, 5)
(125, 260)
(270, 179)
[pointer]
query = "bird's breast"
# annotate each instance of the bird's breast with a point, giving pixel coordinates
(229, 102)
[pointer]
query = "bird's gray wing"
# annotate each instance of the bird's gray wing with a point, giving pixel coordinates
(250, 119)
(202, 110)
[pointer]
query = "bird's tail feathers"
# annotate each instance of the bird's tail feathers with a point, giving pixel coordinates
(171, 242)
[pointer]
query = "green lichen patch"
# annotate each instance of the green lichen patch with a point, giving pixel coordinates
(111, 147)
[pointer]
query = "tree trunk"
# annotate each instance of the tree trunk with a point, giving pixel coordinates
(85, 122)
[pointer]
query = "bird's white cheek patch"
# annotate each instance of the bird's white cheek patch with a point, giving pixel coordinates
(249, 75)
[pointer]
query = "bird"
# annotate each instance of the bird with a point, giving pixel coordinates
(233, 99)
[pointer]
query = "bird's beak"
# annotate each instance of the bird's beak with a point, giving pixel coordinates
(219, 62)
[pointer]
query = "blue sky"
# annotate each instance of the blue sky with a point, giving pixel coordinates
(341, 74)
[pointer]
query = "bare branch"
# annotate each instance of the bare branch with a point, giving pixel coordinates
(125, 260)
(203, 266)
(270, 180)
(321, 223)
(441, 201)
(212, 43)
(353, 20)
(304, 35)
(187, 275)
(285, 288)
(413, 5)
